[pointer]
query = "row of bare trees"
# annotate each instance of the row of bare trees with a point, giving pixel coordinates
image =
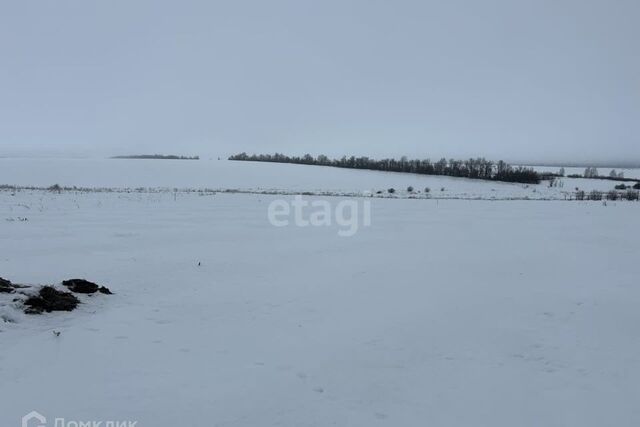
(478, 168)
(630, 195)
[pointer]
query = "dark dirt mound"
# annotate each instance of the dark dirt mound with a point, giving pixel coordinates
(81, 286)
(50, 299)
(6, 286)
(105, 290)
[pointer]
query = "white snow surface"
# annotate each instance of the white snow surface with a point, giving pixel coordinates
(441, 313)
(257, 176)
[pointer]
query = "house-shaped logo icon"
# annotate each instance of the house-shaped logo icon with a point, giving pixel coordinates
(38, 419)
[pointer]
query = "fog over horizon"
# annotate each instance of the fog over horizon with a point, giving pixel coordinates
(523, 81)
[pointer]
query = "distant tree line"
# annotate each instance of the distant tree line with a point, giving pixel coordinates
(479, 168)
(592, 173)
(157, 157)
(611, 195)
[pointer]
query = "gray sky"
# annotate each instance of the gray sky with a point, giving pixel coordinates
(510, 79)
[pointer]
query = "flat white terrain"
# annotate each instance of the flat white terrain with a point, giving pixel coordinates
(256, 176)
(441, 313)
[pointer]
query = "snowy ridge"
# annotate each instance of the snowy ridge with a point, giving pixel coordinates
(525, 192)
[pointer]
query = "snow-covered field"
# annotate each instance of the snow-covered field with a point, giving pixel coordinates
(253, 176)
(441, 313)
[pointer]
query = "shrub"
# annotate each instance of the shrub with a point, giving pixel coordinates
(621, 187)
(428, 190)
(595, 195)
(632, 195)
(580, 195)
(637, 186)
(410, 189)
(612, 195)
(391, 190)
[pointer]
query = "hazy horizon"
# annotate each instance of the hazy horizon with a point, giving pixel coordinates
(628, 164)
(534, 82)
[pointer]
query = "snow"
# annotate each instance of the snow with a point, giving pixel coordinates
(442, 312)
(255, 176)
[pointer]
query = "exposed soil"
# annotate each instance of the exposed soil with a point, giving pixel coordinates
(6, 286)
(82, 286)
(50, 299)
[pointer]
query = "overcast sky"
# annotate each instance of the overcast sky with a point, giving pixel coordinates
(518, 80)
